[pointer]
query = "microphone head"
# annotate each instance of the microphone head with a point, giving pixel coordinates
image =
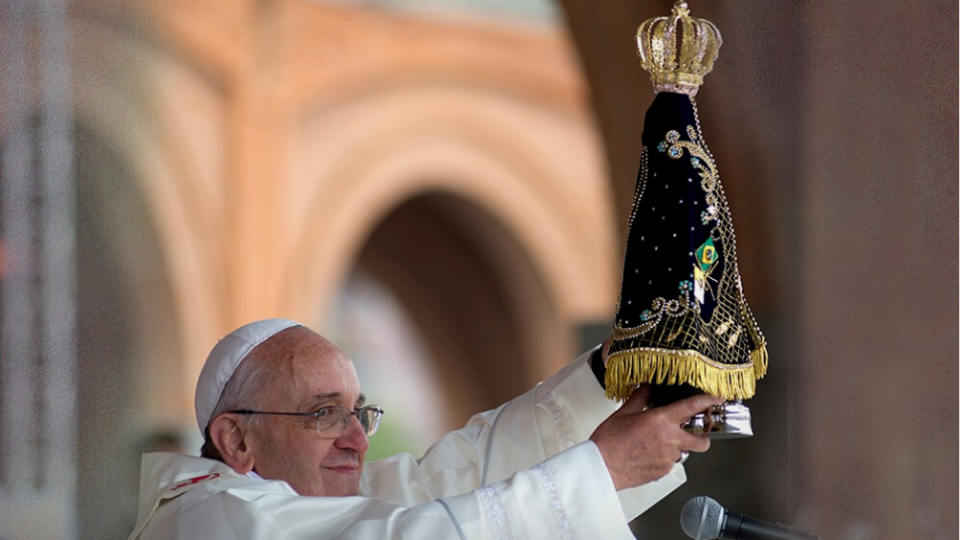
(702, 518)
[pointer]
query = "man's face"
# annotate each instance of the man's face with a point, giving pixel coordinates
(306, 373)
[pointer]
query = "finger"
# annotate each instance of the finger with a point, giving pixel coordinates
(694, 443)
(637, 400)
(682, 410)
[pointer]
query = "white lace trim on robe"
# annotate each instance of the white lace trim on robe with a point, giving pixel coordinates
(560, 419)
(556, 505)
(493, 504)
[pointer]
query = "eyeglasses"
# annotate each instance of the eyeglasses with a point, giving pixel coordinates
(332, 421)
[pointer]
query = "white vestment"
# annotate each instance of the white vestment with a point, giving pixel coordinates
(521, 471)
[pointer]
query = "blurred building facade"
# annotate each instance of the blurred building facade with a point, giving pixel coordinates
(465, 174)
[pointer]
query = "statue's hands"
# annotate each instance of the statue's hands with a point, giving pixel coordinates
(641, 445)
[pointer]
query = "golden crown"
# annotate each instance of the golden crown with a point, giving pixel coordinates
(678, 50)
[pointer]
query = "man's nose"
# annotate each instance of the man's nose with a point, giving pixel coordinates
(353, 437)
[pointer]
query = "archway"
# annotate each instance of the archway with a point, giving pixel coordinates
(478, 304)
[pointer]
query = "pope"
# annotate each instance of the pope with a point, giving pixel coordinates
(286, 427)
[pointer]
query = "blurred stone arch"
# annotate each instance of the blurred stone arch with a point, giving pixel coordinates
(469, 183)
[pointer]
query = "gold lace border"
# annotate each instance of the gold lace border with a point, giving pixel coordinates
(632, 367)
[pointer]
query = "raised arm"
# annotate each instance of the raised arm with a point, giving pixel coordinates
(566, 496)
(555, 415)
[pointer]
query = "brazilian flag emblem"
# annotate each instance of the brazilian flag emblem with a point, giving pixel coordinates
(707, 259)
(707, 256)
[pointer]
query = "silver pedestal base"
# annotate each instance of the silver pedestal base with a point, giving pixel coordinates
(729, 420)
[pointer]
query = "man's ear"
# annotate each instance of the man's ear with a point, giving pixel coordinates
(230, 436)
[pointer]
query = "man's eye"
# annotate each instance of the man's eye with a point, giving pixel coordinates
(324, 412)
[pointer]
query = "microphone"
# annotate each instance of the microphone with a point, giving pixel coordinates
(703, 518)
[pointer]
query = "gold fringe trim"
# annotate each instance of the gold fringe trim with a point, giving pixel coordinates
(759, 360)
(630, 368)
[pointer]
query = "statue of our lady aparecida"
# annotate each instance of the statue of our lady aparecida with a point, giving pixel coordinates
(682, 322)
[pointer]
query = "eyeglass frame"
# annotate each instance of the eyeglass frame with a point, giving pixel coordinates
(316, 416)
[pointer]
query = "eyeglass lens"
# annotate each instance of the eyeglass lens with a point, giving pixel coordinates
(337, 418)
(369, 419)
